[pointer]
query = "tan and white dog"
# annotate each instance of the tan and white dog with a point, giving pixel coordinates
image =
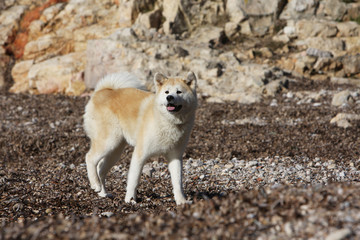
(119, 111)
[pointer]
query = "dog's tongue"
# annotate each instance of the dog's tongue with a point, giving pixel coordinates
(170, 108)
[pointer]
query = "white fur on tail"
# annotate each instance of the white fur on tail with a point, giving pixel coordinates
(119, 80)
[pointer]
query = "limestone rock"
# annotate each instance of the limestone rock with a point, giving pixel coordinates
(342, 98)
(352, 44)
(334, 9)
(333, 45)
(318, 53)
(281, 38)
(340, 80)
(260, 7)
(351, 64)
(205, 34)
(124, 34)
(208, 13)
(259, 15)
(177, 20)
(231, 29)
(313, 28)
(298, 9)
(235, 11)
(36, 27)
(289, 31)
(320, 28)
(325, 64)
(150, 19)
(82, 35)
(145, 36)
(245, 84)
(221, 77)
(261, 25)
(107, 56)
(47, 44)
(343, 119)
(49, 13)
(353, 11)
(20, 75)
(9, 22)
(55, 74)
(348, 29)
(127, 13)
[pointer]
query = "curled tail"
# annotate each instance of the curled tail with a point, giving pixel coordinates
(119, 80)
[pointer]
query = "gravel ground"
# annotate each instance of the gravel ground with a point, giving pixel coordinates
(273, 170)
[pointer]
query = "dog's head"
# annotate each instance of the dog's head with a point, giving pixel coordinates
(176, 95)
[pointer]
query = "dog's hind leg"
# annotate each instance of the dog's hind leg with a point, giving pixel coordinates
(106, 164)
(92, 159)
(98, 152)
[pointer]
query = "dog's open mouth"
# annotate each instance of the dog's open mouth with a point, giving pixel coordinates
(173, 108)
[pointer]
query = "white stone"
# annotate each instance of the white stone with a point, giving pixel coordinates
(342, 98)
(148, 170)
(107, 214)
(234, 10)
(289, 30)
(342, 119)
(339, 234)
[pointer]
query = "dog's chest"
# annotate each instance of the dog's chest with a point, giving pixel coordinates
(170, 136)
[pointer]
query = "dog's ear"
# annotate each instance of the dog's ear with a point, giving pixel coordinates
(159, 80)
(191, 80)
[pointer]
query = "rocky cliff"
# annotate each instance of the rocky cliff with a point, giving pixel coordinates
(241, 50)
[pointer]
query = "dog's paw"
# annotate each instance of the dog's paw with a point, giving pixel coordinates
(96, 188)
(183, 201)
(105, 194)
(130, 200)
(180, 199)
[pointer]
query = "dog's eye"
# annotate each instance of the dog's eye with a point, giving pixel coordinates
(167, 92)
(178, 92)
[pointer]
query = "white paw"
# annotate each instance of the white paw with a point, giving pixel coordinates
(105, 194)
(182, 201)
(130, 200)
(96, 188)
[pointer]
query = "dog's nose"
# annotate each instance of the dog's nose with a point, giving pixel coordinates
(169, 98)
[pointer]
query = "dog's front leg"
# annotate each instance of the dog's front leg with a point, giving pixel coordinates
(175, 169)
(136, 166)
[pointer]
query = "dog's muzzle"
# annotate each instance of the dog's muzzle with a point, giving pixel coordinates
(171, 107)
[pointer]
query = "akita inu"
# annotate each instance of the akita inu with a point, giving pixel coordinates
(120, 111)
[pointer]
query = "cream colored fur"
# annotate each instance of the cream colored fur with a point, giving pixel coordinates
(156, 124)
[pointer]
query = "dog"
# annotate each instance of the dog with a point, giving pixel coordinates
(121, 111)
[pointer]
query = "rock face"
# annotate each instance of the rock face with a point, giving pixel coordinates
(240, 50)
